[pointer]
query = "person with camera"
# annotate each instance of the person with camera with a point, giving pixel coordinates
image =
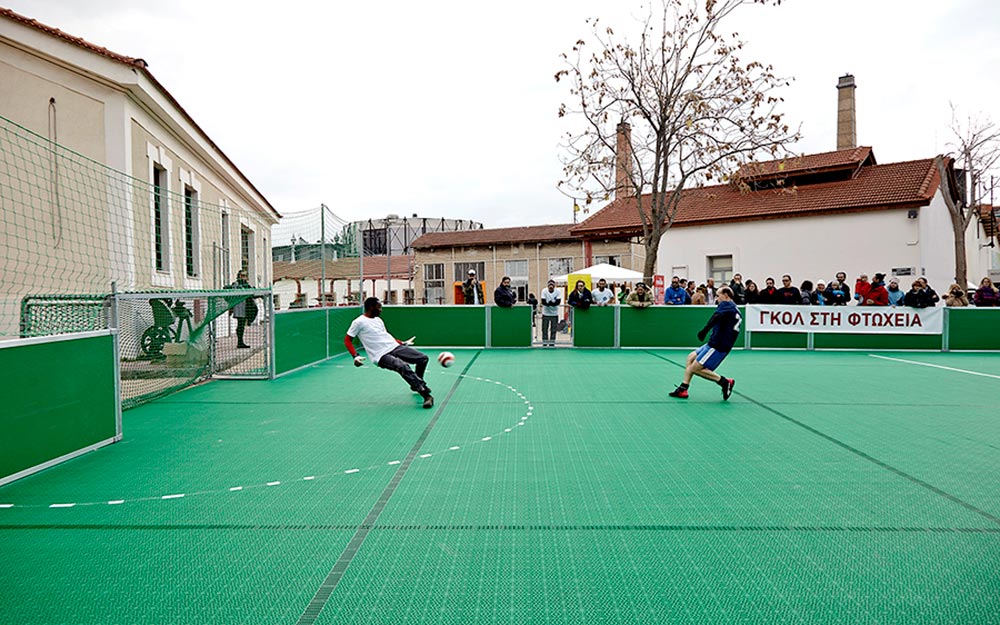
(956, 296)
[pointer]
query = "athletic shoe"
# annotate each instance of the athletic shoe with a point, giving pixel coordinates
(727, 389)
(679, 393)
(429, 401)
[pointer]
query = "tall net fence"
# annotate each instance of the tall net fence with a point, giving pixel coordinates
(73, 231)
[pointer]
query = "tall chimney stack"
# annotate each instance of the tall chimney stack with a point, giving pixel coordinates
(846, 119)
(623, 162)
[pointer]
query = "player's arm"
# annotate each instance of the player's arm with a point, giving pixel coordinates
(712, 322)
(349, 344)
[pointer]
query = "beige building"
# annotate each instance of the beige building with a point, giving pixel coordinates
(110, 179)
(529, 255)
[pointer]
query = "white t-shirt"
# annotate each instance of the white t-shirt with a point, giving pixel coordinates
(603, 297)
(374, 337)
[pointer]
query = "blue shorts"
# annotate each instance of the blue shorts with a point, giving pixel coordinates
(709, 357)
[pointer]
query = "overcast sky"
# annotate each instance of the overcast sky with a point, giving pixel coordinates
(447, 108)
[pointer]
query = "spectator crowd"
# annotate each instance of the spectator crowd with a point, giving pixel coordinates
(837, 292)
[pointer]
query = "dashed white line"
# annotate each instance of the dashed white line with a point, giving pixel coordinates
(486, 438)
(116, 502)
(394, 462)
(273, 483)
(235, 488)
(309, 477)
(349, 471)
(425, 455)
(62, 505)
(455, 448)
(6, 505)
(177, 496)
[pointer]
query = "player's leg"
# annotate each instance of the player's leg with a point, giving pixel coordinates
(392, 363)
(708, 361)
(681, 392)
(412, 356)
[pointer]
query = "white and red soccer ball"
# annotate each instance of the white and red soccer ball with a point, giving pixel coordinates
(446, 359)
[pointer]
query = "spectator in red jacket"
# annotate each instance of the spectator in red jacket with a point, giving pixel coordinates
(877, 295)
(861, 287)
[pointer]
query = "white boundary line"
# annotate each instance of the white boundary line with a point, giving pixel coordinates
(926, 364)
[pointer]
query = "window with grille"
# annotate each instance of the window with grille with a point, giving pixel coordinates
(720, 269)
(434, 292)
(191, 234)
(161, 219)
(462, 271)
(560, 266)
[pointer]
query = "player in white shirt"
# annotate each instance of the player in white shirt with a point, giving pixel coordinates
(386, 351)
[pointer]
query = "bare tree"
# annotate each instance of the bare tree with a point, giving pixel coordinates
(976, 150)
(698, 108)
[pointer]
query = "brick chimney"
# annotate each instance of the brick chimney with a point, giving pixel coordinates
(623, 162)
(847, 130)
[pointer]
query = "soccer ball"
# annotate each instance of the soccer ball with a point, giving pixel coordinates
(446, 359)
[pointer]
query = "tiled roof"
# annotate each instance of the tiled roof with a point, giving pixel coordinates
(809, 163)
(876, 187)
(471, 238)
(79, 41)
(400, 268)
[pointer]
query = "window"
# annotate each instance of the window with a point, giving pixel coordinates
(374, 241)
(518, 272)
(191, 234)
(560, 266)
(720, 269)
(408, 297)
(434, 283)
(247, 251)
(614, 261)
(389, 297)
(224, 250)
(161, 219)
(462, 271)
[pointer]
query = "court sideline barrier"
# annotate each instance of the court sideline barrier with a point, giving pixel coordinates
(965, 329)
(307, 336)
(61, 400)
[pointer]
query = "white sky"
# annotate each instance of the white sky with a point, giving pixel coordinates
(447, 108)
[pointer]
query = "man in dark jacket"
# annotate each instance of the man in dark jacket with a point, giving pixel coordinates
(725, 327)
(916, 297)
(788, 294)
(768, 295)
(504, 296)
(739, 291)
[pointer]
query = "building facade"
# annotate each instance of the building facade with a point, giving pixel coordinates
(116, 181)
(811, 217)
(528, 255)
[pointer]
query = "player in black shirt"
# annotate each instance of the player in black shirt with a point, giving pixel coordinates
(725, 327)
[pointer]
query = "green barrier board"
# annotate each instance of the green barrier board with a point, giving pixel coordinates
(59, 398)
(594, 327)
(339, 320)
(438, 326)
(664, 326)
(299, 339)
(510, 327)
(970, 328)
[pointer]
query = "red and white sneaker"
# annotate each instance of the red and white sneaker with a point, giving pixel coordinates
(679, 393)
(727, 389)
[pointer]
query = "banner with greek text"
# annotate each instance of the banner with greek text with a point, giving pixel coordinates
(845, 319)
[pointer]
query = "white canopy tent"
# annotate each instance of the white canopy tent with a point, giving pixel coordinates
(612, 274)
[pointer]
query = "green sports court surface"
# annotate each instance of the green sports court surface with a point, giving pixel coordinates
(546, 486)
